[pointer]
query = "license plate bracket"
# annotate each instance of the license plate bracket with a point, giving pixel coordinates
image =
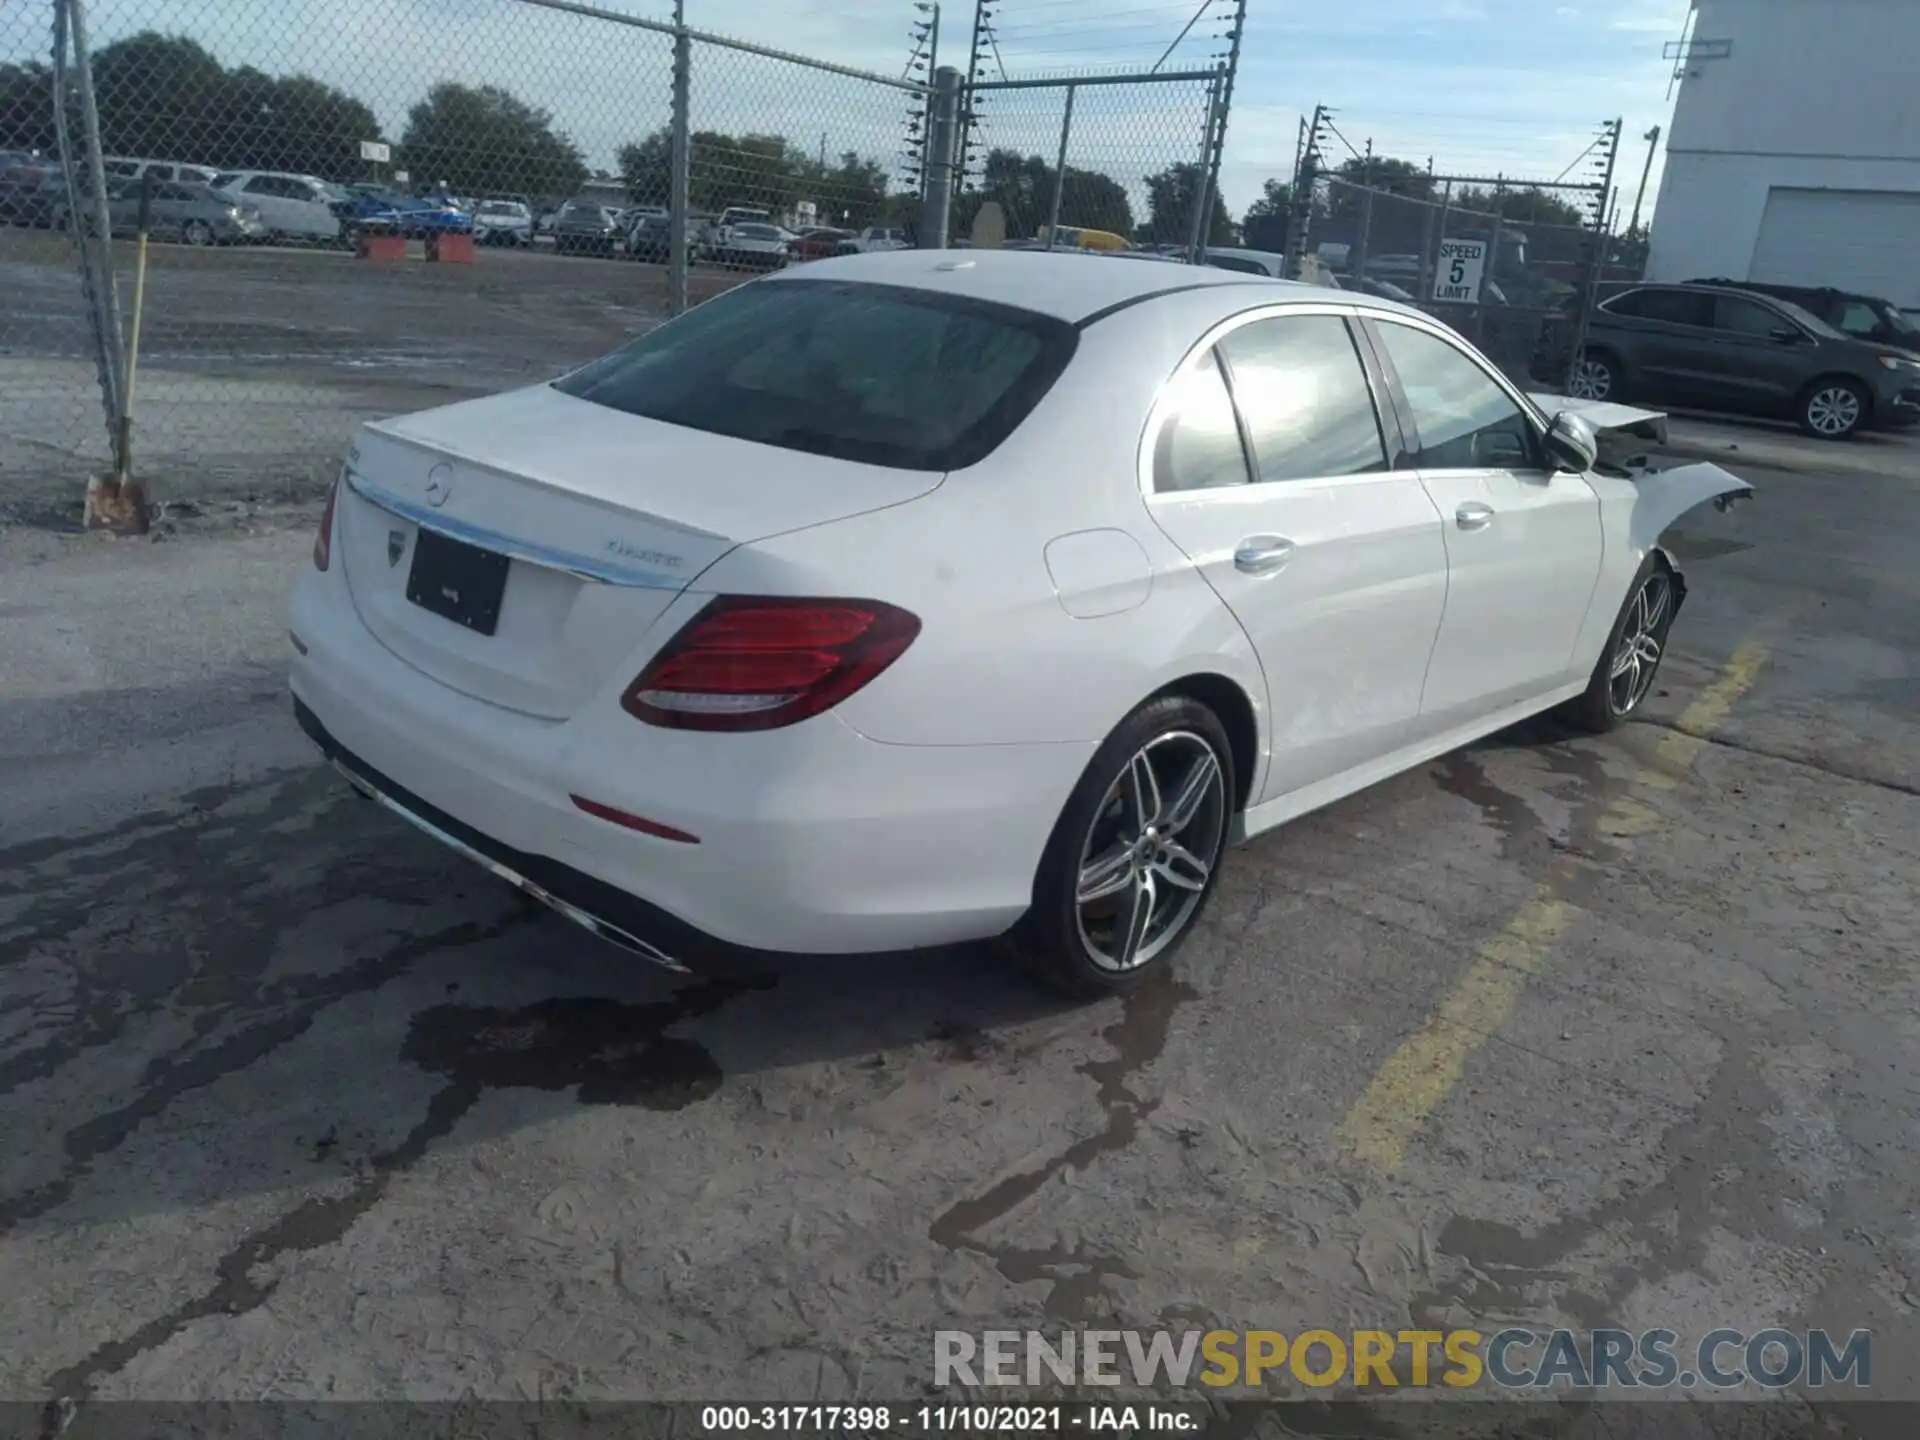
(457, 581)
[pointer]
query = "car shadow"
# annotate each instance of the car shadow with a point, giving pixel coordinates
(276, 984)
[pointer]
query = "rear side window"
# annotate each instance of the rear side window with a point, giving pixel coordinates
(1675, 307)
(1304, 396)
(882, 374)
(1199, 447)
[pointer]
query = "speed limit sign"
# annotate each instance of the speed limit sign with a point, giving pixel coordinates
(1457, 277)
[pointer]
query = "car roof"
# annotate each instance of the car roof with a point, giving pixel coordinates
(1069, 286)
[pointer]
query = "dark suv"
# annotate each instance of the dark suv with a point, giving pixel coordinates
(1725, 349)
(1864, 317)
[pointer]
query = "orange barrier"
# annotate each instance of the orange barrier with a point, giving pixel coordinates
(450, 249)
(380, 247)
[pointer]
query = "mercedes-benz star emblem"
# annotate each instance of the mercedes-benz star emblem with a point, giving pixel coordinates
(396, 546)
(439, 485)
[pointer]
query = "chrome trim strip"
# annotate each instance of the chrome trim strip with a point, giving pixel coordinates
(583, 918)
(587, 567)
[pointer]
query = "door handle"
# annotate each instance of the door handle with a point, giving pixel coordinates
(1262, 554)
(1473, 516)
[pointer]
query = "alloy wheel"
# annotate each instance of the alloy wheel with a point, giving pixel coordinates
(1834, 410)
(1637, 657)
(1155, 839)
(1592, 380)
(199, 234)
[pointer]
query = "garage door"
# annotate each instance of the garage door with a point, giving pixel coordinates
(1862, 240)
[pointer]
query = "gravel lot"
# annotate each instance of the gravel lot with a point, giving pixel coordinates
(257, 364)
(299, 1105)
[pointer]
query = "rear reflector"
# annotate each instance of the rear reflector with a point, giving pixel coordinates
(323, 542)
(634, 822)
(757, 663)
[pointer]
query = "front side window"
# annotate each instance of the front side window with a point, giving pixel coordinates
(1199, 446)
(1745, 317)
(1303, 393)
(883, 374)
(1464, 419)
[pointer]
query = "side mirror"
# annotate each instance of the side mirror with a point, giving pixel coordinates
(1785, 335)
(1572, 442)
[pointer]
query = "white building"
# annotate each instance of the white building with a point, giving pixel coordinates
(1794, 153)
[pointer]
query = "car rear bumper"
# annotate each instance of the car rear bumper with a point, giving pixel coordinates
(811, 839)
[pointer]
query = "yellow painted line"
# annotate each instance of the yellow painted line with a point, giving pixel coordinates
(1423, 1071)
(1429, 1063)
(1676, 751)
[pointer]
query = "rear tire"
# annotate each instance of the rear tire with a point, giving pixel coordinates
(1134, 856)
(1624, 675)
(1833, 408)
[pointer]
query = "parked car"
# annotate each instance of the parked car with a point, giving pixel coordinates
(196, 214)
(1270, 263)
(1864, 317)
(650, 238)
(370, 209)
(810, 698)
(1724, 349)
(34, 195)
(1382, 289)
(875, 239)
(293, 207)
(123, 169)
(423, 216)
(503, 222)
(584, 227)
(752, 247)
(817, 242)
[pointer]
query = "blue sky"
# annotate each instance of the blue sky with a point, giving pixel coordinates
(1487, 86)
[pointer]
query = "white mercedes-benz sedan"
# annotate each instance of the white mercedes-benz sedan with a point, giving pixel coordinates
(933, 596)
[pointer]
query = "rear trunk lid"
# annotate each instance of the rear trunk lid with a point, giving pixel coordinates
(518, 548)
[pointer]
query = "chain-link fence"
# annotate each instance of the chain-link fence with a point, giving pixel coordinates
(1503, 271)
(355, 219)
(1090, 161)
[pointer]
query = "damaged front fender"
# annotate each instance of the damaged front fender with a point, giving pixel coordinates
(1661, 497)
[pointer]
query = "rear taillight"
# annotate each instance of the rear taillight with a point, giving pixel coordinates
(323, 542)
(757, 663)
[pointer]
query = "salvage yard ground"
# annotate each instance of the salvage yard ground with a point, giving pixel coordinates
(1560, 1030)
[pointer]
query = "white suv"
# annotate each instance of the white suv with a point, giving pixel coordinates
(295, 207)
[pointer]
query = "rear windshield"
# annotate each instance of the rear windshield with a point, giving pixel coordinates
(882, 374)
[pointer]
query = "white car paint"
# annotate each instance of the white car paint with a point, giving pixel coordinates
(1055, 592)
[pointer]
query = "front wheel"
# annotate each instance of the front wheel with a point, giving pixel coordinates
(1135, 854)
(1833, 409)
(1596, 377)
(198, 232)
(1624, 675)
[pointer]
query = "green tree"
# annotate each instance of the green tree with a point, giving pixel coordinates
(165, 97)
(480, 140)
(26, 107)
(1022, 185)
(1276, 198)
(762, 170)
(1170, 199)
(1527, 205)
